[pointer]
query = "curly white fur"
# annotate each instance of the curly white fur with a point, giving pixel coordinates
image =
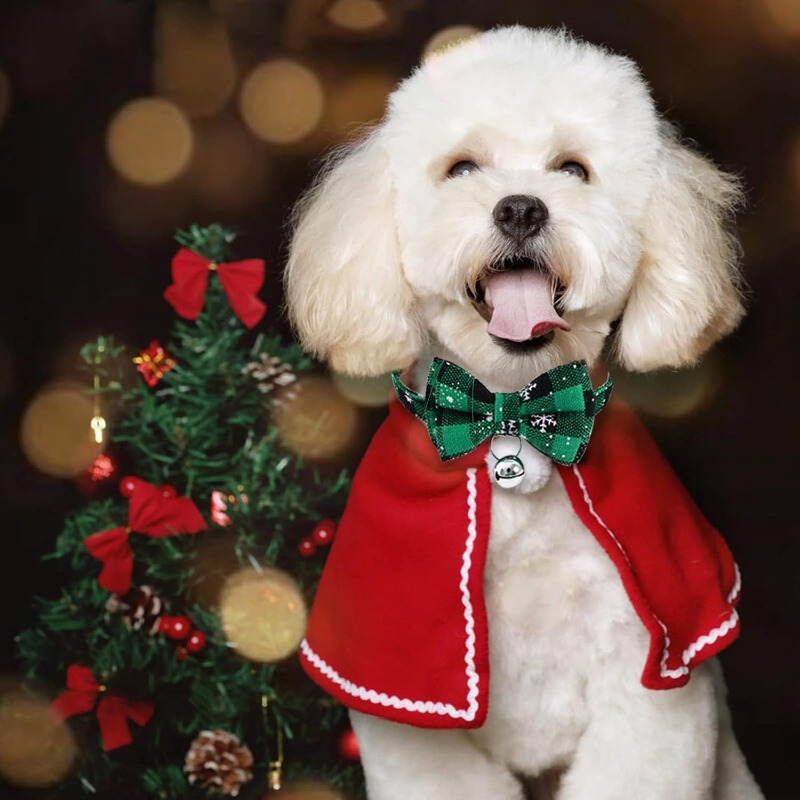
(386, 248)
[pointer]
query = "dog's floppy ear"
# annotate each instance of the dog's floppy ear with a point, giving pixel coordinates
(345, 288)
(687, 290)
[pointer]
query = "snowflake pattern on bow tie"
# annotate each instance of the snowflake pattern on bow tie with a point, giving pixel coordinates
(554, 412)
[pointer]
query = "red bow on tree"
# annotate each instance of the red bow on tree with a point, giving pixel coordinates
(113, 710)
(150, 513)
(240, 281)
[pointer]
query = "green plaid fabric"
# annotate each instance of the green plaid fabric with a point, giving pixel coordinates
(554, 412)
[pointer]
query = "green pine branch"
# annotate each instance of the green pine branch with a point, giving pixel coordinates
(204, 427)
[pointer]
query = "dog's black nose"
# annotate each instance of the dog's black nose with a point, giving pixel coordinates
(520, 215)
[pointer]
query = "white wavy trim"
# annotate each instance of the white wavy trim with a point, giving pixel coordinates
(473, 679)
(702, 641)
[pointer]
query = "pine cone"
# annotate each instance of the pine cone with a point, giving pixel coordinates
(269, 373)
(141, 608)
(219, 761)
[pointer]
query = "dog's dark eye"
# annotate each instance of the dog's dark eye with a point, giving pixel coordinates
(576, 169)
(462, 168)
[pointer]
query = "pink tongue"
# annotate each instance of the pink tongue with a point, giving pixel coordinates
(521, 302)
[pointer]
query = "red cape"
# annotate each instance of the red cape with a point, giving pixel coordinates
(398, 627)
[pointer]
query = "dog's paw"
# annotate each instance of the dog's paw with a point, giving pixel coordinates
(537, 466)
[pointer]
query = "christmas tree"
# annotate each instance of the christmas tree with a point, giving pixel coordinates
(173, 639)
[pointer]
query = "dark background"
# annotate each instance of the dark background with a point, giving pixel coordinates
(83, 253)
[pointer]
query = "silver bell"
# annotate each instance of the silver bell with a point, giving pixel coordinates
(509, 471)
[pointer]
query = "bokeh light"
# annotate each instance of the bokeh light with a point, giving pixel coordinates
(313, 420)
(281, 101)
(784, 14)
(194, 64)
(305, 790)
(672, 394)
(366, 392)
(447, 38)
(263, 614)
(36, 749)
(357, 15)
(149, 141)
(358, 100)
(230, 168)
(5, 96)
(55, 432)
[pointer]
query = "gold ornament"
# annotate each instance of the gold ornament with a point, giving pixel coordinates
(274, 776)
(313, 419)
(36, 749)
(275, 770)
(263, 614)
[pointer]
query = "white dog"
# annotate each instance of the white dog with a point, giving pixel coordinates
(521, 206)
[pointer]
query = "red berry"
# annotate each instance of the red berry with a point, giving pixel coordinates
(196, 643)
(306, 547)
(168, 491)
(181, 654)
(165, 624)
(127, 485)
(348, 745)
(324, 532)
(180, 628)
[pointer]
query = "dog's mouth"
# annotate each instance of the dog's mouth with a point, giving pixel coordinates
(519, 298)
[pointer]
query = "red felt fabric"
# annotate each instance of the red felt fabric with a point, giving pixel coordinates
(113, 710)
(113, 548)
(398, 627)
(676, 568)
(150, 513)
(241, 282)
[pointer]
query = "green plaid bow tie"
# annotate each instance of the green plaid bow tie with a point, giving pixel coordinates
(554, 412)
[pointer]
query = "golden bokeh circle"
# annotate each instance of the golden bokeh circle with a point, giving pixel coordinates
(149, 141)
(55, 432)
(194, 64)
(784, 14)
(449, 37)
(313, 419)
(263, 614)
(305, 789)
(5, 96)
(36, 749)
(358, 100)
(357, 15)
(371, 392)
(281, 101)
